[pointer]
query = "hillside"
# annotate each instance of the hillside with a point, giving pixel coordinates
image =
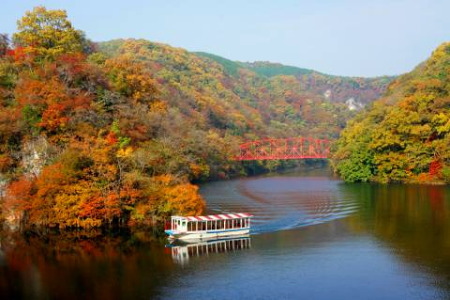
(340, 89)
(404, 136)
(116, 133)
(225, 95)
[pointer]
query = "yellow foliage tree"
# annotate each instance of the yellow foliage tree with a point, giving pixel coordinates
(47, 33)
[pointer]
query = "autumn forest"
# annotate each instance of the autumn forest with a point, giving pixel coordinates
(120, 133)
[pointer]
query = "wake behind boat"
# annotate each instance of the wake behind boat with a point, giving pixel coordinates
(202, 227)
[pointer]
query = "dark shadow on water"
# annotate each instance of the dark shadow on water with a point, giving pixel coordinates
(81, 266)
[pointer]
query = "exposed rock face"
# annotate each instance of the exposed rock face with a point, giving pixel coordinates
(352, 104)
(35, 154)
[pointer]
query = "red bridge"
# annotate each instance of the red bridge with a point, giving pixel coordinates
(291, 148)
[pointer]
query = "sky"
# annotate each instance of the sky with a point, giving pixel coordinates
(339, 37)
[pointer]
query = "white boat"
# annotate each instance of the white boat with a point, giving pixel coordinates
(203, 227)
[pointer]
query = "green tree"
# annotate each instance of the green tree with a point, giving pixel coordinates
(353, 159)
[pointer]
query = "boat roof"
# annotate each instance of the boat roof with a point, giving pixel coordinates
(216, 217)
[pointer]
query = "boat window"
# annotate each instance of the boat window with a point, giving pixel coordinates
(202, 225)
(183, 223)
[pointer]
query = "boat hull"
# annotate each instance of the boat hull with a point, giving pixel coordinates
(189, 235)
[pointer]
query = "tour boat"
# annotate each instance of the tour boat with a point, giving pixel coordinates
(203, 227)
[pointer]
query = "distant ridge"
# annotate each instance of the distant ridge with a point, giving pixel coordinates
(263, 68)
(356, 92)
(270, 69)
(231, 67)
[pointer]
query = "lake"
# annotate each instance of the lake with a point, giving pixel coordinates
(313, 237)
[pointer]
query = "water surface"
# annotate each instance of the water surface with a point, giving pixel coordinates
(313, 237)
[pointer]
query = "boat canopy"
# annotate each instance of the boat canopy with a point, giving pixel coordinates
(216, 217)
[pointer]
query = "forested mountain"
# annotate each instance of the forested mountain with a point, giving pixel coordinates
(116, 132)
(334, 88)
(261, 94)
(404, 136)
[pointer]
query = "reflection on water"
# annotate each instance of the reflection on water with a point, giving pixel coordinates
(412, 221)
(183, 251)
(318, 238)
(82, 266)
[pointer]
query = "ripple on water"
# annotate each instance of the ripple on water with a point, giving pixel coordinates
(280, 203)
